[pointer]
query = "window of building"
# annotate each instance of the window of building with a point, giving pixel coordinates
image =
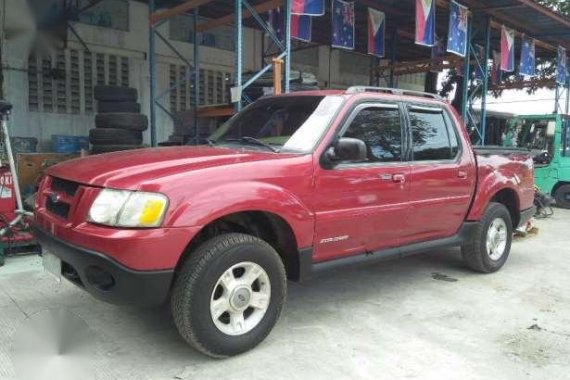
(214, 87)
(381, 131)
(63, 82)
(106, 13)
(432, 138)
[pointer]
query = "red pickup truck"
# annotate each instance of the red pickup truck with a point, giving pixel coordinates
(291, 185)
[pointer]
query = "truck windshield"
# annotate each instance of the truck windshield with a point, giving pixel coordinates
(288, 123)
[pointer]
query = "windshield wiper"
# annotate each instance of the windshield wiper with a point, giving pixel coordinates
(254, 141)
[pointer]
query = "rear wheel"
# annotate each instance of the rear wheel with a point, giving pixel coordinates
(491, 243)
(562, 196)
(229, 294)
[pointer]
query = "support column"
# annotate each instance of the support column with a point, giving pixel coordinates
(466, 74)
(196, 75)
(238, 66)
(152, 72)
(287, 45)
(485, 86)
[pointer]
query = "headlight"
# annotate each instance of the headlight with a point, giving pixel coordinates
(123, 208)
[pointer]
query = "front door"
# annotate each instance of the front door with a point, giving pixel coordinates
(361, 206)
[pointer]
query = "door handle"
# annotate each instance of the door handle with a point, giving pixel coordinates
(462, 174)
(399, 178)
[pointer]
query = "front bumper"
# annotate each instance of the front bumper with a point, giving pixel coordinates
(105, 278)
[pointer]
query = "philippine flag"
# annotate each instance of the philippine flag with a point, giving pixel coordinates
(301, 27)
(308, 7)
(376, 32)
(507, 49)
(425, 22)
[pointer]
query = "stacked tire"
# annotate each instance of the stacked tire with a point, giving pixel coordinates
(119, 124)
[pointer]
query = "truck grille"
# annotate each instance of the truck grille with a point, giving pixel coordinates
(60, 197)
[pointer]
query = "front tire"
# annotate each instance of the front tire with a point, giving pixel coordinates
(229, 294)
(491, 244)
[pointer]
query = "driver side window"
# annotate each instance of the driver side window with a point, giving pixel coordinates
(381, 131)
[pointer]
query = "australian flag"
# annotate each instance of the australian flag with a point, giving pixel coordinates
(308, 7)
(507, 49)
(276, 21)
(458, 24)
(301, 27)
(425, 22)
(527, 65)
(342, 24)
(562, 66)
(376, 32)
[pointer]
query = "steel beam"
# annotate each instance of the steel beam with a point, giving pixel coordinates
(466, 73)
(196, 89)
(238, 46)
(287, 57)
(152, 74)
(228, 19)
(485, 85)
(177, 10)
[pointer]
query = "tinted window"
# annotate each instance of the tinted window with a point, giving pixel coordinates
(381, 131)
(431, 137)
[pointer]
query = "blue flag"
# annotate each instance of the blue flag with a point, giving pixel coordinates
(308, 7)
(527, 65)
(342, 24)
(562, 66)
(301, 26)
(276, 21)
(458, 24)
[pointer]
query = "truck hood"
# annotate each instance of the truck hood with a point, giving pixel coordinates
(128, 169)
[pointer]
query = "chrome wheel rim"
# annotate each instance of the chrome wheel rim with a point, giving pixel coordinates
(497, 239)
(240, 298)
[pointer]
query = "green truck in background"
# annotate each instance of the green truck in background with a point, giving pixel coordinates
(548, 137)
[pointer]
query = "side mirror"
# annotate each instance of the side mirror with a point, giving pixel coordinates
(348, 149)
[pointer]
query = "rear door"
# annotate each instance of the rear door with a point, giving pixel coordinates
(443, 175)
(362, 206)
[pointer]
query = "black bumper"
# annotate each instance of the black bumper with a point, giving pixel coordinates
(526, 215)
(104, 278)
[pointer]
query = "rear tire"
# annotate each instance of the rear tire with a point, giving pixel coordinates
(200, 284)
(113, 136)
(115, 94)
(123, 120)
(562, 196)
(491, 244)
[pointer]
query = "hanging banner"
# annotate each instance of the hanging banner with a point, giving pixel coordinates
(308, 7)
(458, 24)
(276, 21)
(301, 27)
(496, 68)
(528, 63)
(562, 66)
(342, 24)
(425, 22)
(376, 33)
(507, 49)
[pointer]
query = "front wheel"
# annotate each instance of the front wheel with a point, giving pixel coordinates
(491, 243)
(229, 294)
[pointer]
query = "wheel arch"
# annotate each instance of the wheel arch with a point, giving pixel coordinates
(268, 226)
(558, 185)
(510, 199)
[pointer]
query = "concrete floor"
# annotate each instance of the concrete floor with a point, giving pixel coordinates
(424, 317)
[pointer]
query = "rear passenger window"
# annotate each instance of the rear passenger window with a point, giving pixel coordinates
(381, 131)
(432, 139)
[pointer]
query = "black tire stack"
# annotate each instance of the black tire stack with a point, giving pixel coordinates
(119, 124)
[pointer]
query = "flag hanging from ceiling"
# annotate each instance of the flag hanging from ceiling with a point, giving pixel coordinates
(527, 65)
(437, 51)
(507, 49)
(308, 7)
(342, 24)
(276, 22)
(301, 27)
(458, 24)
(425, 22)
(562, 66)
(496, 68)
(376, 32)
